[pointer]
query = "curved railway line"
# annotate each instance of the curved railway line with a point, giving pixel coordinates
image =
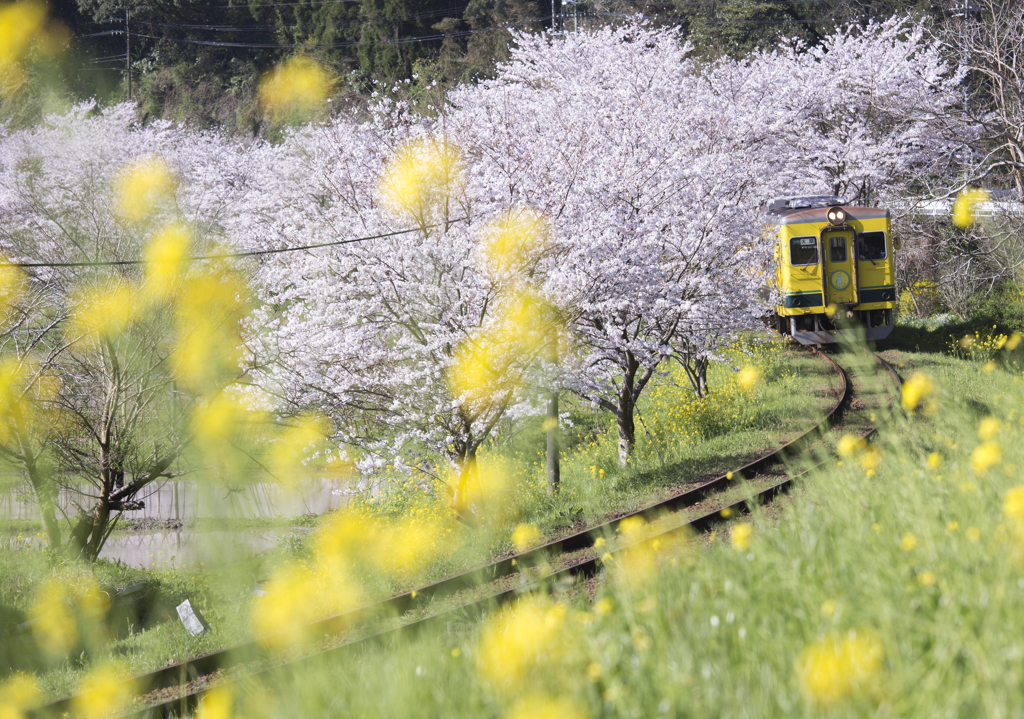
(177, 689)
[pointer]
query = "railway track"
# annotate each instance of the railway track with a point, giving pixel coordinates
(177, 689)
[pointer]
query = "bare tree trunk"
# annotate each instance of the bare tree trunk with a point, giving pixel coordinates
(624, 411)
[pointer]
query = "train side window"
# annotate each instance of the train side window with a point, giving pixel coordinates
(837, 249)
(803, 251)
(872, 245)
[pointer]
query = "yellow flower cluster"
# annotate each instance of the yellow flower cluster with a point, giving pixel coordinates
(965, 207)
(833, 668)
(422, 175)
(142, 188)
(521, 639)
(916, 390)
(66, 612)
(18, 693)
(513, 242)
(295, 89)
(986, 345)
(24, 27)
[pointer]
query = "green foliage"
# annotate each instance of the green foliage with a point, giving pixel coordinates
(1003, 307)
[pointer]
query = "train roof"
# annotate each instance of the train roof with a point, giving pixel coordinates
(800, 210)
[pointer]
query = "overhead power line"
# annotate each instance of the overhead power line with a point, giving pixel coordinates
(230, 255)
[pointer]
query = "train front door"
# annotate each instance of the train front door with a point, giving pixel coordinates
(840, 273)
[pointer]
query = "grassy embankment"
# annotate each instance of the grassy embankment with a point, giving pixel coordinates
(683, 439)
(891, 584)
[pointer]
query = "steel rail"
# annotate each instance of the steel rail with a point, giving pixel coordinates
(196, 669)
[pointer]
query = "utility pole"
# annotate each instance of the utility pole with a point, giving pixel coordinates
(551, 425)
(554, 462)
(128, 52)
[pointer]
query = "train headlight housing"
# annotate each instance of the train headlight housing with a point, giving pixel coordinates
(836, 216)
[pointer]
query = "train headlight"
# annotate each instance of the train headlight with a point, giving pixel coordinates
(836, 216)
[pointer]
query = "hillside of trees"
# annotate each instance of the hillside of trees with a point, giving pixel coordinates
(200, 60)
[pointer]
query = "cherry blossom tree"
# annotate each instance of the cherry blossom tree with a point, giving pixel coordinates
(616, 137)
(103, 361)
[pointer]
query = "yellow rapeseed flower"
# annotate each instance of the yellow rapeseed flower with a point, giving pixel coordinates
(208, 314)
(295, 88)
(165, 255)
(21, 24)
(421, 175)
(908, 542)
(12, 287)
(103, 692)
(1014, 341)
(989, 428)
(289, 453)
(927, 579)
(985, 456)
(916, 389)
(525, 536)
(966, 205)
(18, 692)
(103, 311)
(538, 706)
(515, 641)
(740, 536)
(1013, 504)
(141, 187)
(514, 241)
(217, 703)
(54, 623)
(934, 460)
(748, 377)
(850, 445)
(832, 669)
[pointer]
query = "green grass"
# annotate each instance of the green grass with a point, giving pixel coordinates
(730, 427)
(895, 592)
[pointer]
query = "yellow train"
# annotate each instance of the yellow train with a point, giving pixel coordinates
(833, 266)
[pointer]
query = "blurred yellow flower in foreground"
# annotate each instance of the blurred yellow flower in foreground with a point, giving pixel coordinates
(210, 307)
(216, 704)
(23, 26)
(934, 460)
(850, 445)
(537, 706)
(748, 377)
(1013, 504)
(141, 187)
(525, 536)
(165, 255)
(916, 389)
(54, 623)
(18, 692)
(518, 639)
(989, 428)
(103, 692)
(16, 407)
(515, 240)
(289, 453)
(740, 536)
(297, 86)
(12, 287)
(831, 669)
(296, 596)
(490, 365)
(985, 456)
(908, 542)
(966, 206)
(423, 173)
(102, 312)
